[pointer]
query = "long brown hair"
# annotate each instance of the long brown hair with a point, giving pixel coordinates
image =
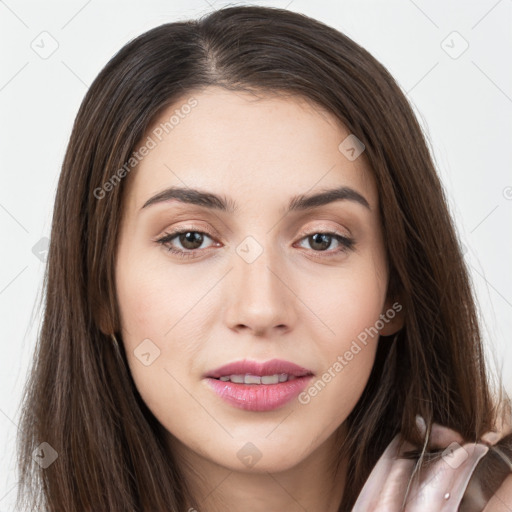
(80, 397)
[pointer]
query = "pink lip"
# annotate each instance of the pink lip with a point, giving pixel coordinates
(259, 397)
(254, 368)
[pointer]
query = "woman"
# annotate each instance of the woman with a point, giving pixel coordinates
(255, 295)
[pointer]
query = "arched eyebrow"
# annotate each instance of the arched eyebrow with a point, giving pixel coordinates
(222, 203)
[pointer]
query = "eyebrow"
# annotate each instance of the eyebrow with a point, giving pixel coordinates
(222, 203)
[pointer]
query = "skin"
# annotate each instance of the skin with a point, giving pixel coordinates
(293, 302)
(502, 499)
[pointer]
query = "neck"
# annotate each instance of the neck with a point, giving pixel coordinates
(309, 485)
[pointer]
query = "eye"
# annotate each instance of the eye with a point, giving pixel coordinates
(189, 239)
(320, 241)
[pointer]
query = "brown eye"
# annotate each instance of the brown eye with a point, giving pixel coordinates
(320, 242)
(184, 243)
(191, 239)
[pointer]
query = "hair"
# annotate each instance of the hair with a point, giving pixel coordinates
(80, 396)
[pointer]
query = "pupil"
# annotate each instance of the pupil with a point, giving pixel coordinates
(324, 240)
(191, 238)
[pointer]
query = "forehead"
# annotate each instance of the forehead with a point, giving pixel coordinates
(248, 147)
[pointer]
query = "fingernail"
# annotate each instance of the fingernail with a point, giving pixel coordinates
(420, 423)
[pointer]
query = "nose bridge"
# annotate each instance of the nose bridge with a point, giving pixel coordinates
(260, 299)
(255, 259)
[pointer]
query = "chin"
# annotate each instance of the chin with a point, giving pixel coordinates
(263, 456)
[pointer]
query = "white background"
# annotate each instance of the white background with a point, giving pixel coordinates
(464, 104)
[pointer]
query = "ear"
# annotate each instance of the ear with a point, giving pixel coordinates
(393, 316)
(103, 319)
(104, 324)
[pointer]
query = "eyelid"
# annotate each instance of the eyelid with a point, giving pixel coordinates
(324, 229)
(179, 229)
(302, 233)
(347, 241)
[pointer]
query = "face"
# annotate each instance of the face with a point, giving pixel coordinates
(254, 275)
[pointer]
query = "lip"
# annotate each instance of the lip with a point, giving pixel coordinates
(259, 397)
(254, 368)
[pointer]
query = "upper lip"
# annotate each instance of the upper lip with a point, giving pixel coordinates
(272, 367)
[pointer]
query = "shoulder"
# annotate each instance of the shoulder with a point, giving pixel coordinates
(501, 501)
(492, 480)
(499, 472)
(472, 476)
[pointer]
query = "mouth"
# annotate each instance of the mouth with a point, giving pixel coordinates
(253, 372)
(257, 386)
(277, 378)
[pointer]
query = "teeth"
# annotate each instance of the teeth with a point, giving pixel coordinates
(256, 379)
(252, 379)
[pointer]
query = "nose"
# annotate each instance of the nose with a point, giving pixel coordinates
(259, 294)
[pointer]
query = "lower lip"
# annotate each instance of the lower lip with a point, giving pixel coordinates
(259, 397)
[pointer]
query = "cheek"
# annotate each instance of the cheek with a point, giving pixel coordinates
(143, 305)
(163, 325)
(154, 299)
(349, 309)
(349, 303)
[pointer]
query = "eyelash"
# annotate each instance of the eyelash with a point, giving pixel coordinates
(347, 244)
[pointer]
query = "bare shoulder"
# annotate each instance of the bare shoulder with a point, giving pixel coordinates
(502, 498)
